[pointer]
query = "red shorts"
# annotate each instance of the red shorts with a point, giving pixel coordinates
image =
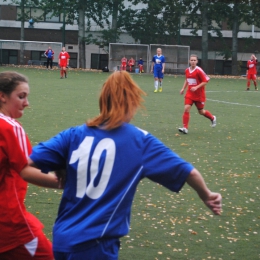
(40, 248)
(251, 76)
(200, 105)
(63, 64)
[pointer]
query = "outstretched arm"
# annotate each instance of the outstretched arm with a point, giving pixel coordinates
(36, 177)
(211, 199)
(31, 174)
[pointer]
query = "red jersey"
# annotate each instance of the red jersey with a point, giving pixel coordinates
(63, 59)
(16, 224)
(131, 62)
(194, 78)
(251, 67)
(124, 61)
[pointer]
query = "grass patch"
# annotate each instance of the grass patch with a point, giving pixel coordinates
(166, 225)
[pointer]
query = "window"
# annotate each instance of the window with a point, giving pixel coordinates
(38, 55)
(9, 57)
(38, 14)
(50, 18)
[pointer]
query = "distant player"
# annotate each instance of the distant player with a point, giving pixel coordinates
(131, 63)
(251, 71)
(49, 54)
(123, 63)
(158, 66)
(141, 65)
(64, 58)
(196, 80)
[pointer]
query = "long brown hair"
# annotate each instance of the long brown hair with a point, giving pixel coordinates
(119, 99)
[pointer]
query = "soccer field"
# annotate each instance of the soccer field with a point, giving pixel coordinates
(166, 225)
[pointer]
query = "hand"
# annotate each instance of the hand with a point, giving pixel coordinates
(193, 89)
(181, 91)
(214, 203)
(61, 175)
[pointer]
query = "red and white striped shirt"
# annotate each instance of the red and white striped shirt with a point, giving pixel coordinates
(16, 224)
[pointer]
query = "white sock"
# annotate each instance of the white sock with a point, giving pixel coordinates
(156, 85)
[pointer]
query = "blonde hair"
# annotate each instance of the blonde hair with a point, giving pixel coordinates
(119, 99)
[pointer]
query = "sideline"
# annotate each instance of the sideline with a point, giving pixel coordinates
(231, 103)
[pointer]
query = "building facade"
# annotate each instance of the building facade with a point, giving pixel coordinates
(49, 28)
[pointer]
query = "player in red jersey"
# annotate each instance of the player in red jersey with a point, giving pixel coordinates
(131, 63)
(64, 58)
(21, 235)
(123, 63)
(196, 80)
(251, 72)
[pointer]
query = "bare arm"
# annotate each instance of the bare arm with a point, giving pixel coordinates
(152, 67)
(199, 86)
(36, 177)
(163, 67)
(211, 199)
(185, 84)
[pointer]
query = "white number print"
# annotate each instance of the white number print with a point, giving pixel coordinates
(82, 155)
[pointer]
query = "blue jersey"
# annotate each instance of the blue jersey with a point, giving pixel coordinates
(103, 170)
(158, 62)
(49, 53)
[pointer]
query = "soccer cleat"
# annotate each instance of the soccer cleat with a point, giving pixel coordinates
(160, 89)
(214, 122)
(65, 76)
(61, 77)
(155, 91)
(256, 88)
(183, 130)
(247, 88)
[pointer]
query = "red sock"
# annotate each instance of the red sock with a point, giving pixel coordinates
(255, 83)
(186, 119)
(61, 73)
(248, 84)
(208, 115)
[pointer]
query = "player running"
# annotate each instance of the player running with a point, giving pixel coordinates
(105, 160)
(64, 58)
(195, 82)
(158, 66)
(251, 72)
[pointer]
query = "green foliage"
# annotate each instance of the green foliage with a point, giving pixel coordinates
(165, 225)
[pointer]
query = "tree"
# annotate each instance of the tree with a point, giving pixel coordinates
(157, 22)
(203, 15)
(234, 13)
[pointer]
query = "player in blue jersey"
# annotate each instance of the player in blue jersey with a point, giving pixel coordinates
(158, 66)
(49, 54)
(105, 159)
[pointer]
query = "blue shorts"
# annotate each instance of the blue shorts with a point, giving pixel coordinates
(157, 72)
(104, 249)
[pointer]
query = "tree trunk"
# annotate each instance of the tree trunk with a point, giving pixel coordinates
(81, 38)
(204, 39)
(114, 19)
(22, 33)
(235, 42)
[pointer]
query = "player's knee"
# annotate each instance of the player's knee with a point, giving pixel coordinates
(201, 111)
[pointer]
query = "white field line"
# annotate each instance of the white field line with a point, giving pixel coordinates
(231, 103)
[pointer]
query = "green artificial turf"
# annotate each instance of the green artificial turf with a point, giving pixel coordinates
(166, 225)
